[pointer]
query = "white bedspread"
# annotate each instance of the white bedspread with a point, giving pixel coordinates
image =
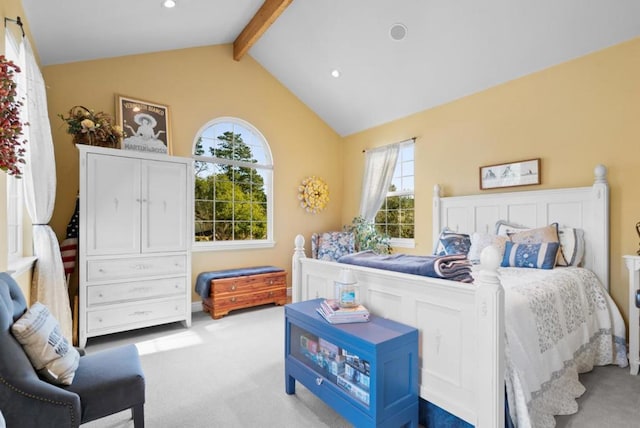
(559, 323)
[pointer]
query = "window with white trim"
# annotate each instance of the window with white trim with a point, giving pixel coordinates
(396, 217)
(233, 179)
(14, 218)
(14, 185)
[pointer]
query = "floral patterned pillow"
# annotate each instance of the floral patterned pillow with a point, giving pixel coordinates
(332, 245)
(451, 242)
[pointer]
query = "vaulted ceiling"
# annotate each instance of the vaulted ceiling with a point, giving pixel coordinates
(395, 58)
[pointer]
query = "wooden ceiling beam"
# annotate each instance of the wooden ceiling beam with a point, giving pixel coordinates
(261, 21)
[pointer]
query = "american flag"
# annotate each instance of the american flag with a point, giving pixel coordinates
(69, 247)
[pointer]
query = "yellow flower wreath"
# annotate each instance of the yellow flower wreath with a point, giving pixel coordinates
(313, 194)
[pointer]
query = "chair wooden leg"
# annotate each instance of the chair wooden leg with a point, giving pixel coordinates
(137, 412)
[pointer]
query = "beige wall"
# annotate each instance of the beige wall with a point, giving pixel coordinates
(201, 84)
(572, 116)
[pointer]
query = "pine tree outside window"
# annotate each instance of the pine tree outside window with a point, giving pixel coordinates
(233, 179)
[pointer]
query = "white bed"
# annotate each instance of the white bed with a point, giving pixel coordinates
(463, 368)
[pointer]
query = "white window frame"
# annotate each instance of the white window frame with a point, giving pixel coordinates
(268, 181)
(17, 263)
(404, 242)
(14, 219)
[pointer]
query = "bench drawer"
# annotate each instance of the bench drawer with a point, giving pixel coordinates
(222, 305)
(248, 284)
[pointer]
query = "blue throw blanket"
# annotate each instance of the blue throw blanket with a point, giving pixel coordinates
(454, 267)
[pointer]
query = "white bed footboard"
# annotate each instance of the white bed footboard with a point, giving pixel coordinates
(461, 328)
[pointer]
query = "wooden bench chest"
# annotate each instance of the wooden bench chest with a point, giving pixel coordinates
(224, 291)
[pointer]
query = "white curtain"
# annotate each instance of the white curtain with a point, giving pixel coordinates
(48, 286)
(378, 172)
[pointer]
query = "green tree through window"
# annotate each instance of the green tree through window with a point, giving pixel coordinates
(396, 215)
(231, 193)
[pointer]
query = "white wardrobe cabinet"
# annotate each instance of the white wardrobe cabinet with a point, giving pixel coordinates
(134, 240)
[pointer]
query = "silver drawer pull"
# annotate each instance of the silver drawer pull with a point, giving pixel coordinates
(271, 282)
(140, 313)
(318, 381)
(101, 270)
(233, 287)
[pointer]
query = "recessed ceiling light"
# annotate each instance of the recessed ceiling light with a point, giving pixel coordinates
(335, 73)
(169, 4)
(398, 32)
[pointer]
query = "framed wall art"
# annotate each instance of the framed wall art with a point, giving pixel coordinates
(520, 173)
(145, 125)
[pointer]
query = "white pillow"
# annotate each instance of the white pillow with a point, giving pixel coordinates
(504, 228)
(48, 350)
(480, 241)
(571, 247)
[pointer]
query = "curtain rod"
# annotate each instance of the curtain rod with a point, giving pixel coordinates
(16, 21)
(412, 138)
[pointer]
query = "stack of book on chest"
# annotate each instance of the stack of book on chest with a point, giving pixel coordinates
(331, 311)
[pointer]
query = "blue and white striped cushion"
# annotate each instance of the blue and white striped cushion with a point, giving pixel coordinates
(536, 256)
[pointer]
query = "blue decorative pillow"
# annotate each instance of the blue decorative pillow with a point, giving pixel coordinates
(537, 256)
(451, 242)
(333, 245)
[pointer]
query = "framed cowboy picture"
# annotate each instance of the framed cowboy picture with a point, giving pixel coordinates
(145, 125)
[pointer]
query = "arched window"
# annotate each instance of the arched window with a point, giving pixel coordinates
(233, 179)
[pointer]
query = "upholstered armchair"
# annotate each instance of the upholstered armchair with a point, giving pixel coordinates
(332, 245)
(104, 383)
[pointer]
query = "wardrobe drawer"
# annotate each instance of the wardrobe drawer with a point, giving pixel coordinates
(139, 267)
(125, 291)
(133, 316)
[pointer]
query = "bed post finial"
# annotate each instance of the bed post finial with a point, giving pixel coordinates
(296, 274)
(600, 172)
(490, 259)
(436, 190)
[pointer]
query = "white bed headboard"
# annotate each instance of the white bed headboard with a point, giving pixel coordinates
(586, 208)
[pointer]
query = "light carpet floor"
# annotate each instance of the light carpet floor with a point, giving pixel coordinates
(230, 373)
